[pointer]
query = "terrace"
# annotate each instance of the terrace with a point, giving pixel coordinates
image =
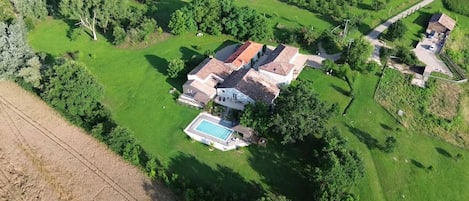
(220, 134)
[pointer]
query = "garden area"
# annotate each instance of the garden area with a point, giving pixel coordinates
(435, 110)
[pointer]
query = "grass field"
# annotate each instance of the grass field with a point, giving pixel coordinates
(136, 90)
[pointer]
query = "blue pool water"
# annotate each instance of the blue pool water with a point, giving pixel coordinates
(214, 130)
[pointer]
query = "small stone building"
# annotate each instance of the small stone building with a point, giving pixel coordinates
(441, 23)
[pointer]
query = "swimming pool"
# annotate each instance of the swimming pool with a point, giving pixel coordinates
(214, 130)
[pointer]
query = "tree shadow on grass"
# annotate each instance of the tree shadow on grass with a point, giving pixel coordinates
(340, 90)
(417, 164)
(161, 65)
(158, 191)
(366, 138)
(281, 168)
(443, 152)
(385, 126)
(223, 182)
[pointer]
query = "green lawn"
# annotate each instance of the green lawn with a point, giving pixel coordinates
(136, 90)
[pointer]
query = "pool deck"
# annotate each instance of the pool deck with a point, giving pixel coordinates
(231, 143)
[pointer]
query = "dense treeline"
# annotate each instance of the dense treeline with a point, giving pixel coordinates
(458, 6)
(337, 9)
(299, 116)
(216, 17)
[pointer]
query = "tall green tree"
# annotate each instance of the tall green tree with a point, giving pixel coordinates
(182, 21)
(299, 113)
(358, 53)
(71, 89)
(256, 116)
(336, 168)
(175, 67)
(396, 31)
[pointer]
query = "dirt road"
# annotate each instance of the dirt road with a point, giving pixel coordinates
(43, 157)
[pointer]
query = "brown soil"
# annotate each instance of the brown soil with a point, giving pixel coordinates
(43, 157)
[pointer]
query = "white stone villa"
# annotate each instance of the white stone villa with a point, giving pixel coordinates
(252, 73)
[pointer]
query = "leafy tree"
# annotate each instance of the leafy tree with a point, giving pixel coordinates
(31, 73)
(406, 55)
(7, 12)
(378, 5)
(396, 30)
(175, 67)
(86, 12)
(182, 21)
(119, 35)
(35, 9)
(337, 167)
(299, 113)
(256, 116)
(216, 17)
(358, 53)
(307, 35)
(72, 90)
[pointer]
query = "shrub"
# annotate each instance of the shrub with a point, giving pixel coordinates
(175, 67)
(119, 35)
(378, 5)
(390, 145)
(458, 6)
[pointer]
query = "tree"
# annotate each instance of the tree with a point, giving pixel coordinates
(35, 9)
(14, 49)
(336, 167)
(8, 14)
(72, 90)
(92, 13)
(358, 53)
(182, 21)
(256, 116)
(175, 67)
(377, 5)
(299, 113)
(396, 30)
(406, 55)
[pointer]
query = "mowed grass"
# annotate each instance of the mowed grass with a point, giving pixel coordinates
(137, 92)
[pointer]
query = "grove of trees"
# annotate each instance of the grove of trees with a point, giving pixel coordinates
(127, 21)
(220, 16)
(299, 116)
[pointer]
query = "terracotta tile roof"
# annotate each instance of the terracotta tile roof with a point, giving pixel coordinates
(444, 20)
(244, 54)
(211, 66)
(251, 83)
(279, 60)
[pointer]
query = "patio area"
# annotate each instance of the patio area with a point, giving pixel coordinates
(238, 137)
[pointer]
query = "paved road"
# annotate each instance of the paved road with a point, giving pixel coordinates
(374, 34)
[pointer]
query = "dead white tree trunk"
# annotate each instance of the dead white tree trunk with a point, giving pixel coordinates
(90, 26)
